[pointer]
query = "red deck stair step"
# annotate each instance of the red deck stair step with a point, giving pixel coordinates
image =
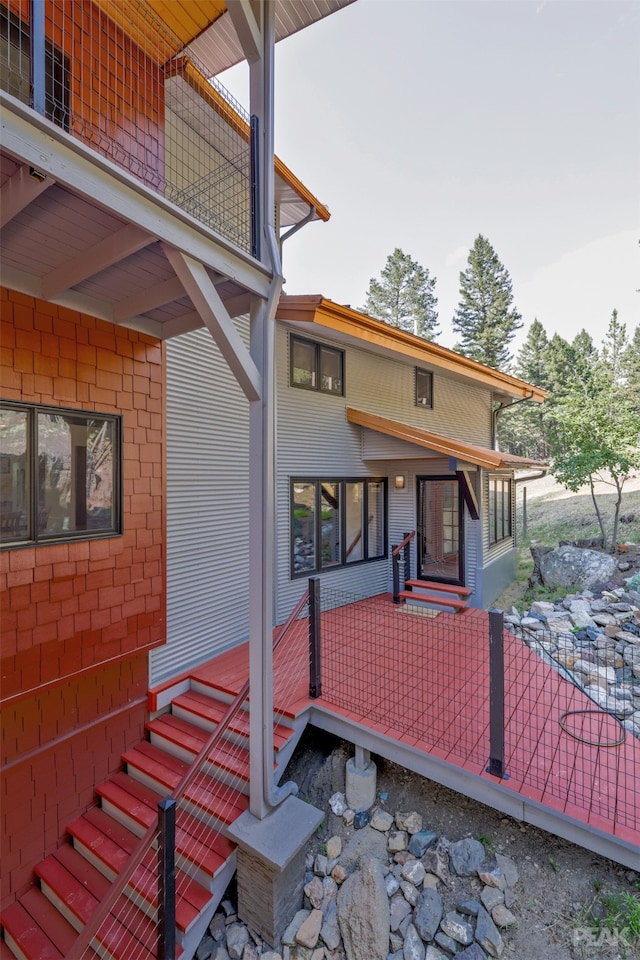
(458, 605)
(195, 840)
(443, 587)
(208, 712)
(37, 929)
(190, 739)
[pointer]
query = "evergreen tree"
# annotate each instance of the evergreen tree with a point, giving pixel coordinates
(485, 317)
(531, 364)
(631, 369)
(614, 348)
(404, 296)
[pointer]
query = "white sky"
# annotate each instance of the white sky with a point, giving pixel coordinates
(422, 123)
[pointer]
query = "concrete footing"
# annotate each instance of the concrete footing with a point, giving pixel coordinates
(361, 779)
(270, 859)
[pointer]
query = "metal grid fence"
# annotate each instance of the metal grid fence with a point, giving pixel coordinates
(433, 681)
(116, 78)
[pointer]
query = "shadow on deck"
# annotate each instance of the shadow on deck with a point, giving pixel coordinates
(416, 690)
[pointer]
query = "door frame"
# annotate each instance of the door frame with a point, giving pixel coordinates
(460, 579)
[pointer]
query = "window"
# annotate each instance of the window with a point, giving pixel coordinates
(424, 388)
(15, 55)
(335, 523)
(500, 524)
(315, 366)
(59, 474)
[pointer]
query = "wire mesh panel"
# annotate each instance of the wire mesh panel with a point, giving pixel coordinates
(423, 678)
(562, 745)
(118, 79)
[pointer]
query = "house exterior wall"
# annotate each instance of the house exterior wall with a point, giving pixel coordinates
(208, 539)
(78, 618)
(315, 440)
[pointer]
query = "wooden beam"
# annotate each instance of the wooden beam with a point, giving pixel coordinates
(246, 27)
(114, 248)
(148, 299)
(19, 191)
(468, 493)
(206, 299)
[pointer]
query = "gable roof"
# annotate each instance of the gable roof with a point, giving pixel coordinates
(347, 325)
(467, 452)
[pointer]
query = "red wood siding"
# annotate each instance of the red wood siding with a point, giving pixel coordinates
(78, 618)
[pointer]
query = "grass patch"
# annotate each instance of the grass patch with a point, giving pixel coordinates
(616, 918)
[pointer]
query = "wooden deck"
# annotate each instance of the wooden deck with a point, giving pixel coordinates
(415, 689)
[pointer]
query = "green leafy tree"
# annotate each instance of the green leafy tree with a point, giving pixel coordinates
(596, 430)
(485, 318)
(404, 296)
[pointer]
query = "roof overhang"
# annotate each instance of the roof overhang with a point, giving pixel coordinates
(344, 323)
(453, 449)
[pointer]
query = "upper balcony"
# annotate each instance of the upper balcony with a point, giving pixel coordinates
(120, 93)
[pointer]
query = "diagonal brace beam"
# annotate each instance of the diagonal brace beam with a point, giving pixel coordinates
(207, 301)
(19, 191)
(246, 27)
(114, 248)
(468, 493)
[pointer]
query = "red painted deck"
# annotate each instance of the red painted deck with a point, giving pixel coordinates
(423, 683)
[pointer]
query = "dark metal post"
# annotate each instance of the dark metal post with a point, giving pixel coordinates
(37, 78)
(524, 513)
(407, 559)
(315, 676)
(255, 187)
(496, 695)
(395, 571)
(167, 878)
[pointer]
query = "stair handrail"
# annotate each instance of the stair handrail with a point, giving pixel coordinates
(407, 540)
(97, 918)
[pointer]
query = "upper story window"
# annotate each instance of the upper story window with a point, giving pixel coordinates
(424, 388)
(314, 366)
(500, 513)
(15, 57)
(59, 474)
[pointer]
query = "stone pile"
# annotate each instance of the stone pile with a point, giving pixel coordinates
(394, 890)
(593, 639)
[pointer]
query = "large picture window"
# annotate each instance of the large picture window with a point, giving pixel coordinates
(335, 523)
(314, 366)
(500, 514)
(59, 474)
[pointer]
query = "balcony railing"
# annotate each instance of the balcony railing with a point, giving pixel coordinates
(115, 77)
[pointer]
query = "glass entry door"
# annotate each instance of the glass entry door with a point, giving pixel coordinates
(439, 530)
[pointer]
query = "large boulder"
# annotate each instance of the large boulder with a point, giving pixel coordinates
(363, 913)
(568, 566)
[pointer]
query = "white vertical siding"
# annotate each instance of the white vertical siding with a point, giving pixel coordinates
(207, 505)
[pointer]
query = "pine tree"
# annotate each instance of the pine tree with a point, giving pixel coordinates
(631, 369)
(532, 359)
(404, 296)
(521, 430)
(485, 317)
(614, 348)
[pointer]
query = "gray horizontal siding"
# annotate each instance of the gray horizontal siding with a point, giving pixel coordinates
(207, 505)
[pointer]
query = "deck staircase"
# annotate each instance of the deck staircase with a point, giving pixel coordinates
(430, 595)
(44, 923)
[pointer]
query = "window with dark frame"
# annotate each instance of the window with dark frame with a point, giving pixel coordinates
(59, 474)
(315, 366)
(500, 511)
(336, 523)
(424, 388)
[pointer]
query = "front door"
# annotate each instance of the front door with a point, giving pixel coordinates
(440, 548)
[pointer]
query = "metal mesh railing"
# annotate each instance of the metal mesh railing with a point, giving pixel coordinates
(433, 681)
(118, 79)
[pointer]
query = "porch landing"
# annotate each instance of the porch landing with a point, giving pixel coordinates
(415, 690)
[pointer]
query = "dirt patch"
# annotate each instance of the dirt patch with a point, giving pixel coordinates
(559, 882)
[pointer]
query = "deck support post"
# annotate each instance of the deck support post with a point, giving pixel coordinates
(166, 878)
(395, 571)
(362, 758)
(315, 673)
(496, 695)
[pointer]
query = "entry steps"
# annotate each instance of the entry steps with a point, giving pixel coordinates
(433, 595)
(70, 883)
